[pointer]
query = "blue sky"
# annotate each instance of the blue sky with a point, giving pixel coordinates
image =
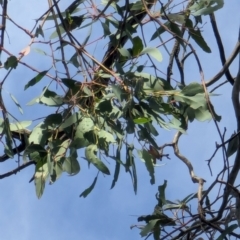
(106, 214)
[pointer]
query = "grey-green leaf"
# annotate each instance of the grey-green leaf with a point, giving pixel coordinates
(90, 154)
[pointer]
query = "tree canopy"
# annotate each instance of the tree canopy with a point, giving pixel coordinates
(105, 98)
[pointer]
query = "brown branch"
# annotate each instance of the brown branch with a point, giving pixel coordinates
(220, 46)
(16, 170)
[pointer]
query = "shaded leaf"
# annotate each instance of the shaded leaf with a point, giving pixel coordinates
(35, 80)
(137, 46)
(147, 157)
(71, 166)
(11, 62)
(232, 145)
(89, 189)
(161, 192)
(149, 227)
(227, 231)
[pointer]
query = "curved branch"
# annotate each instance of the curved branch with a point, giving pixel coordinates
(225, 66)
(220, 47)
(16, 170)
(236, 166)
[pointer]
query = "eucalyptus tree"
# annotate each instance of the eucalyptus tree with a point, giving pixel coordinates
(107, 96)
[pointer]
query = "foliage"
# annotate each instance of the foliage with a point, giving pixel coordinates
(115, 108)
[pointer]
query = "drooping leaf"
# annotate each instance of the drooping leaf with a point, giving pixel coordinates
(16, 102)
(40, 177)
(39, 31)
(232, 145)
(161, 193)
(11, 62)
(71, 166)
(90, 154)
(117, 166)
(147, 157)
(197, 37)
(89, 189)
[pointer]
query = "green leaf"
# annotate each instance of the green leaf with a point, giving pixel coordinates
(48, 98)
(74, 118)
(118, 91)
(71, 166)
(232, 145)
(117, 167)
(104, 106)
(149, 227)
(90, 154)
(204, 7)
(55, 33)
(197, 37)
(35, 152)
(153, 52)
(192, 89)
(16, 102)
(20, 125)
(195, 102)
(124, 52)
(161, 192)
(86, 125)
(35, 80)
(53, 120)
(141, 120)
(108, 137)
(160, 30)
(39, 31)
(11, 62)
(39, 135)
(89, 189)
(147, 157)
(40, 177)
(227, 231)
(137, 46)
(176, 17)
(136, 6)
(74, 60)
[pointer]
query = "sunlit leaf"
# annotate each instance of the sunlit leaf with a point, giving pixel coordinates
(90, 154)
(153, 52)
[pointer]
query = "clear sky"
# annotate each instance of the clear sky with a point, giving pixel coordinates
(105, 214)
